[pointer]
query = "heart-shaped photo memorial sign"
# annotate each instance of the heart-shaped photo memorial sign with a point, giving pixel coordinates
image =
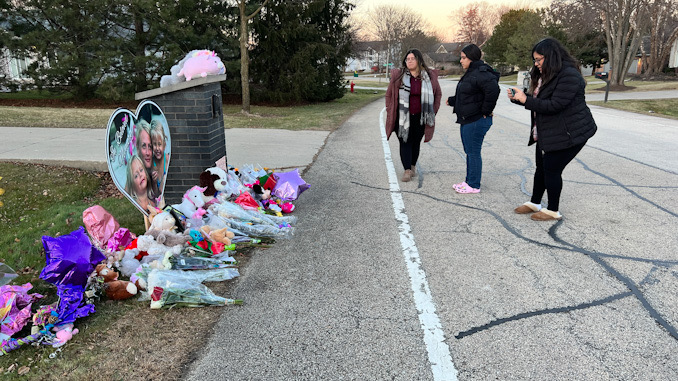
(138, 152)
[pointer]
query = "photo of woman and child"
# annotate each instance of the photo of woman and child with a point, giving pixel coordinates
(139, 154)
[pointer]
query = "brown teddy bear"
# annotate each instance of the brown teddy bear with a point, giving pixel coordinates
(222, 235)
(115, 289)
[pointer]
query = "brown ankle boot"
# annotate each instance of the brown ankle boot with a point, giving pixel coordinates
(407, 176)
(414, 171)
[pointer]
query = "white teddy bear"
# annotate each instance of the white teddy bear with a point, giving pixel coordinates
(148, 244)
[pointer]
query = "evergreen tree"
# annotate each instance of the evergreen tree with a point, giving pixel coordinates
(69, 40)
(519, 47)
(300, 49)
(110, 48)
(513, 38)
(153, 35)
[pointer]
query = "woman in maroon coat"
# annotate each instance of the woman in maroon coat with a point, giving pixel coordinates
(412, 102)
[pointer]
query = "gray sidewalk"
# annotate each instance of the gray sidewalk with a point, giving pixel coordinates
(85, 148)
(622, 95)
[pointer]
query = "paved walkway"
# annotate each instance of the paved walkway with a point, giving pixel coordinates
(85, 148)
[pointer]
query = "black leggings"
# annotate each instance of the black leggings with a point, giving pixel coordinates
(548, 176)
(409, 151)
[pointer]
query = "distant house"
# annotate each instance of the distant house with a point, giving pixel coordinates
(13, 68)
(673, 57)
(367, 56)
(372, 55)
(637, 63)
(444, 56)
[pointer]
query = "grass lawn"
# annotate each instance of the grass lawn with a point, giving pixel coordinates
(318, 116)
(597, 85)
(383, 84)
(664, 107)
(54, 117)
(508, 79)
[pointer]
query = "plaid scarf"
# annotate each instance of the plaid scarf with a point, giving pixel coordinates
(428, 115)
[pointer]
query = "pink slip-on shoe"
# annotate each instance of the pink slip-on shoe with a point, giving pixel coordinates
(457, 186)
(465, 188)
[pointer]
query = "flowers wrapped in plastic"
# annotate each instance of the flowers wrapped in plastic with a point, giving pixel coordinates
(236, 216)
(252, 230)
(234, 211)
(6, 274)
(249, 173)
(170, 289)
(183, 262)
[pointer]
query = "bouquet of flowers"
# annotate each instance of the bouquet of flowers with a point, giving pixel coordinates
(199, 296)
(171, 288)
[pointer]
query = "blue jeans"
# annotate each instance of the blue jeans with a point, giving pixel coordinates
(472, 135)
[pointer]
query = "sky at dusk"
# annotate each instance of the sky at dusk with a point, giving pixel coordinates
(437, 12)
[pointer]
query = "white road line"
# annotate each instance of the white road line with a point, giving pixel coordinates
(438, 351)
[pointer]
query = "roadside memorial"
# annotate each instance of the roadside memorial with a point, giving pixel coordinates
(185, 244)
(180, 253)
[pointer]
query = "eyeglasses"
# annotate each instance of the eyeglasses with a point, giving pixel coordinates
(535, 60)
(410, 59)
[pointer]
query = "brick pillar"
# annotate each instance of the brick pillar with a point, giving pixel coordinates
(196, 122)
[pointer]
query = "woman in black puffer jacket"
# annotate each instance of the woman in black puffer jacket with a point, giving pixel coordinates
(561, 122)
(473, 102)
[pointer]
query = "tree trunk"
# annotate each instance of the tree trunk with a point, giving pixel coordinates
(140, 80)
(624, 22)
(661, 41)
(244, 60)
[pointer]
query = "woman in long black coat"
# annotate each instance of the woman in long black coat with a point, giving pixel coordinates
(561, 122)
(474, 102)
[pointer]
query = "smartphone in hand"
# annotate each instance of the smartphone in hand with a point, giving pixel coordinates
(513, 92)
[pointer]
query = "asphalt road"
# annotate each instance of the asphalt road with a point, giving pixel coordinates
(385, 280)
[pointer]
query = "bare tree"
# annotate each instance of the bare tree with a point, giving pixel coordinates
(392, 24)
(578, 28)
(624, 22)
(244, 56)
(475, 21)
(663, 33)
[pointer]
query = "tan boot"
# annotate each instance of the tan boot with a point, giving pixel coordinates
(527, 208)
(546, 215)
(414, 171)
(407, 176)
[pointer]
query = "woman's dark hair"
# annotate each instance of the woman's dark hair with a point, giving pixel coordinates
(472, 52)
(420, 61)
(555, 55)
